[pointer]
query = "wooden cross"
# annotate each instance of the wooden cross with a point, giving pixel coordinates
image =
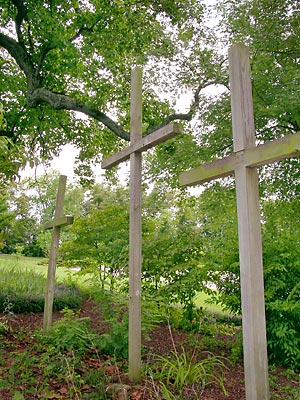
(243, 163)
(138, 144)
(58, 221)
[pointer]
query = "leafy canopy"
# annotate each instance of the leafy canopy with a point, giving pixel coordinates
(63, 58)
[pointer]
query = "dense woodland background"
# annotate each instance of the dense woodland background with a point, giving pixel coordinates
(65, 78)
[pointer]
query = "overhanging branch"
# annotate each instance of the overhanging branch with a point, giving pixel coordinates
(183, 116)
(63, 102)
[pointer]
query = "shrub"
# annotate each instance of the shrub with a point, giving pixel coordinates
(281, 255)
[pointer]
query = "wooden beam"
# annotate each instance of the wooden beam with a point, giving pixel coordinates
(273, 151)
(61, 221)
(58, 221)
(141, 144)
(208, 172)
(270, 152)
(135, 231)
(249, 230)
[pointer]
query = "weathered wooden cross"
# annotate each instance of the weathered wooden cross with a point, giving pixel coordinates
(243, 163)
(58, 221)
(138, 144)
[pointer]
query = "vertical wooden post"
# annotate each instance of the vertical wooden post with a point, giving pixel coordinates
(138, 144)
(135, 230)
(49, 295)
(250, 244)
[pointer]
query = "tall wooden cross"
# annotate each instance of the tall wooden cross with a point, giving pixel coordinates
(138, 144)
(243, 163)
(58, 221)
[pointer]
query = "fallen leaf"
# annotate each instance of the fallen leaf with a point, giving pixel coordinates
(136, 395)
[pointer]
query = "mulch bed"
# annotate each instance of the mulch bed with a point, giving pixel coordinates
(158, 342)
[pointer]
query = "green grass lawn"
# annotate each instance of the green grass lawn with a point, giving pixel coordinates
(201, 300)
(36, 265)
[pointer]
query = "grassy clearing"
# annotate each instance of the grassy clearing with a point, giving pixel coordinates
(30, 264)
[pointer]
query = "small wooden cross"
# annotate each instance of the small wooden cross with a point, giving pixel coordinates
(243, 163)
(58, 221)
(138, 144)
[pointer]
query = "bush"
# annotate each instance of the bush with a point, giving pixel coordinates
(115, 342)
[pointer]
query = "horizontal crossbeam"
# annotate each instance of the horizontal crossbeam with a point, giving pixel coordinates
(61, 221)
(161, 135)
(267, 153)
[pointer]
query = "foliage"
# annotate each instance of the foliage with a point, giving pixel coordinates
(70, 333)
(49, 74)
(178, 370)
(76, 370)
(114, 313)
(271, 31)
(57, 357)
(23, 229)
(280, 231)
(27, 205)
(282, 275)
(115, 342)
(172, 248)
(171, 244)
(99, 242)
(6, 218)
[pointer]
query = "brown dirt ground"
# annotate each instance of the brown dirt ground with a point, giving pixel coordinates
(157, 342)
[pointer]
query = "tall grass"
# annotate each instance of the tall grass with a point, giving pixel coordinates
(13, 280)
(23, 283)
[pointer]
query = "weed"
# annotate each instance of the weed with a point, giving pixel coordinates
(73, 378)
(70, 333)
(186, 375)
(115, 342)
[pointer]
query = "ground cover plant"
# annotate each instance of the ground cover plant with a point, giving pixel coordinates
(83, 356)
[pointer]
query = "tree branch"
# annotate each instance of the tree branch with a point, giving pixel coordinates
(36, 94)
(83, 29)
(183, 116)
(21, 15)
(20, 55)
(63, 102)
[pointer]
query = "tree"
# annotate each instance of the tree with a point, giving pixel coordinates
(28, 204)
(99, 238)
(6, 218)
(271, 30)
(172, 247)
(63, 58)
(22, 230)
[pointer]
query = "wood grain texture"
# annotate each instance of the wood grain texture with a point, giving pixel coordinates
(58, 221)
